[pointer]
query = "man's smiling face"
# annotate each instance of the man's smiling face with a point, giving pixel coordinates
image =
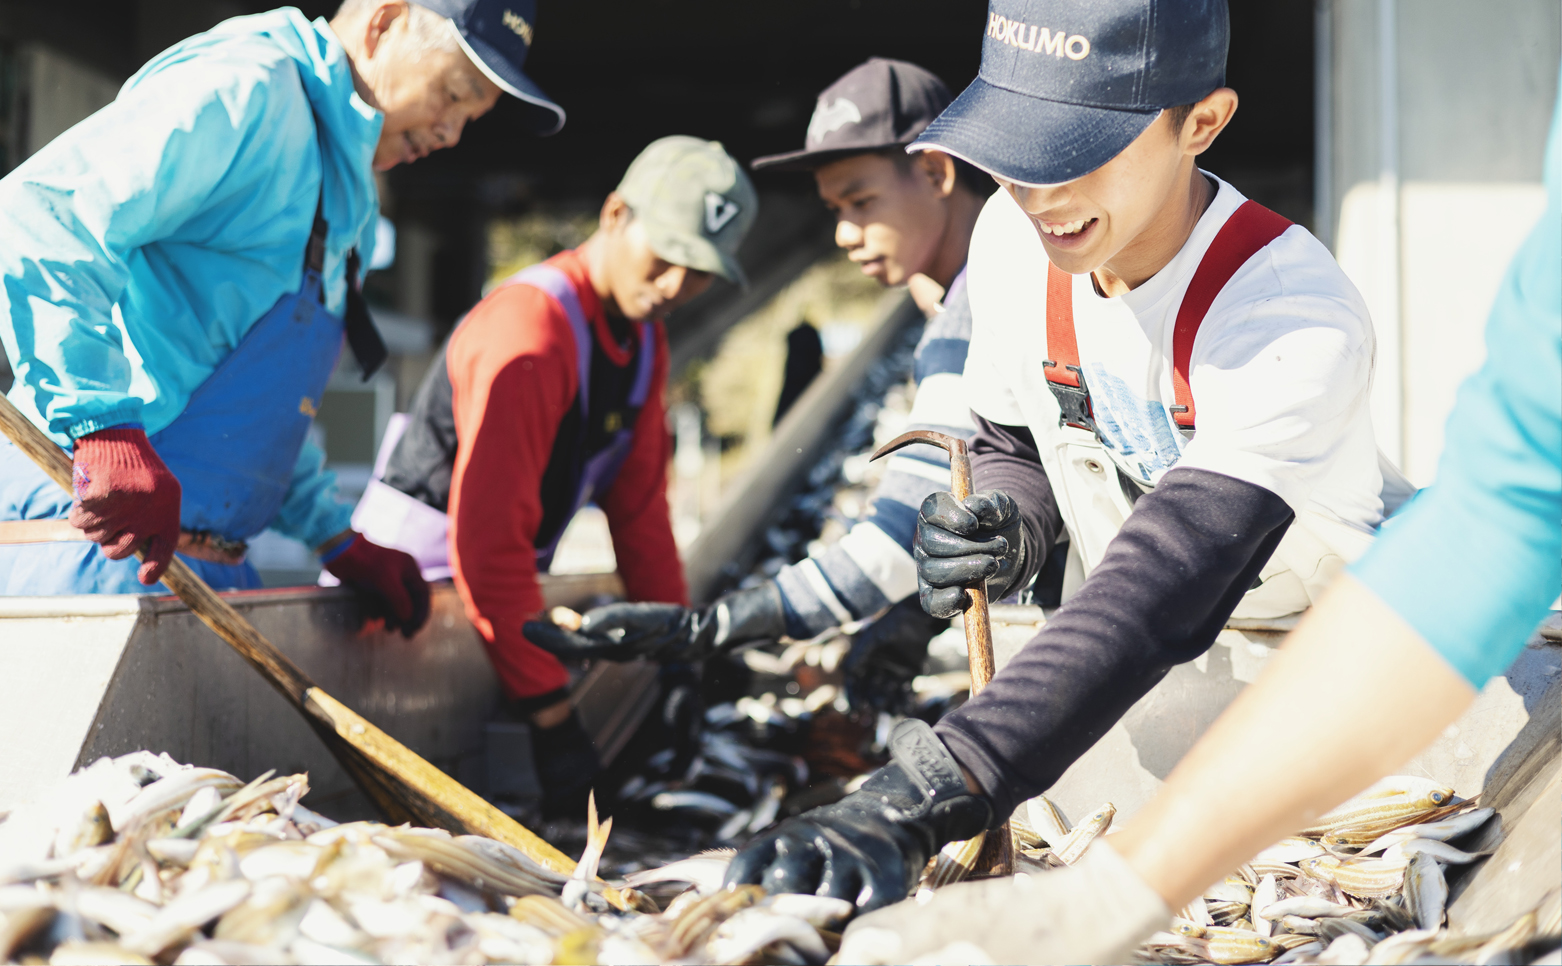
(1085, 222)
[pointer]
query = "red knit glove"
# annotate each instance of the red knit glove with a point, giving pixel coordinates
(126, 499)
(391, 577)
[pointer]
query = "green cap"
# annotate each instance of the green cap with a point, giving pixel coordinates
(695, 201)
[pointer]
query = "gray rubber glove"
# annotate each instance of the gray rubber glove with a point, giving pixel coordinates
(959, 542)
(667, 632)
(1096, 911)
(887, 655)
(871, 846)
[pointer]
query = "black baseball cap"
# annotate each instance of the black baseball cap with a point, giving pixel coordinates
(497, 35)
(876, 105)
(1066, 86)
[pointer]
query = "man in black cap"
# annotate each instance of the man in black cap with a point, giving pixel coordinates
(179, 271)
(1118, 292)
(906, 220)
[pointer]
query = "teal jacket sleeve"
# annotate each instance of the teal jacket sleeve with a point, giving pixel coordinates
(73, 224)
(311, 512)
(1474, 562)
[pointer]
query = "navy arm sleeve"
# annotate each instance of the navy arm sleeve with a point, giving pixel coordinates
(1165, 587)
(1005, 458)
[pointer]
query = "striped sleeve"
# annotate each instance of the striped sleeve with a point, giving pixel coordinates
(871, 567)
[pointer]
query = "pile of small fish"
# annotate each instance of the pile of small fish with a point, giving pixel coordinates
(140, 859)
(1365, 884)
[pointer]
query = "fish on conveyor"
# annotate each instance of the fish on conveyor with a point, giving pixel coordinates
(1365, 884)
(954, 863)
(1387, 805)
(1047, 821)
(1364, 878)
(703, 803)
(1227, 945)
(1441, 851)
(703, 871)
(1426, 891)
(1450, 828)
(1080, 836)
(1263, 897)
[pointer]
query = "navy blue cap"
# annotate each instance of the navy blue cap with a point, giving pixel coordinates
(497, 35)
(1066, 85)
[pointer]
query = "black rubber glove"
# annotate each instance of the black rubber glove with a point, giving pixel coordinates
(667, 632)
(871, 846)
(961, 542)
(887, 655)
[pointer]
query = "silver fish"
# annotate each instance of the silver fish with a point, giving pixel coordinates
(1426, 891)
(1441, 851)
(1297, 953)
(1264, 896)
(704, 871)
(179, 919)
(1453, 827)
(1308, 907)
(693, 801)
(750, 930)
(1331, 929)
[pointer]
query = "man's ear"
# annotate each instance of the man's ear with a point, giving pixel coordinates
(1207, 119)
(380, 21)
(940, 171)
(615, 213)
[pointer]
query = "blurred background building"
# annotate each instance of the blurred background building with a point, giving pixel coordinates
(1406, 134)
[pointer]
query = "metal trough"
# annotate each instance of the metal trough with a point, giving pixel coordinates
(102, 675)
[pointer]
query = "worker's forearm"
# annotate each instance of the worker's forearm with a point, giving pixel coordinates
(1351, 696)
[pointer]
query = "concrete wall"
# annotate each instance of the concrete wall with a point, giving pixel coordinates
(1432, 126)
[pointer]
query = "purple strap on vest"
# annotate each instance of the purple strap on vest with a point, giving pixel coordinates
(599, 469)
(549, 279)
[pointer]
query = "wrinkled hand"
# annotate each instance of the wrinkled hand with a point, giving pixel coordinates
(961, 542)
(666, 632)
(1096, 911)
(887, 655)
(126, 498)
(390, 578)
(871, 846)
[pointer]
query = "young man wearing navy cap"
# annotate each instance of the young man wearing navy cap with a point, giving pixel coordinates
(906, 220)
(1171, 378)
(178, 273)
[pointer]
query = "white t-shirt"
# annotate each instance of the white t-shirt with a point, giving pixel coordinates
(1280, 371)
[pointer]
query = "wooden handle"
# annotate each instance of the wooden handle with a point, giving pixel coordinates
(997, 854)
(277, 668)
(38, 447)
(978, 624)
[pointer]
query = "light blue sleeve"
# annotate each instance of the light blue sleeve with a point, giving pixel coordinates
(311, 512)
(73, 215)
(1475, 561)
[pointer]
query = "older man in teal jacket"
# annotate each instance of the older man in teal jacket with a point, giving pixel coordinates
(178, 273)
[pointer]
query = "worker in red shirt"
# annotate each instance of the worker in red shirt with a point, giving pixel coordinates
(548, 396)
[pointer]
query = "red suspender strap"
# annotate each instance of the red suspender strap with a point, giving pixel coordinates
(1244, 234)
(1063, 367)
(1064, 376)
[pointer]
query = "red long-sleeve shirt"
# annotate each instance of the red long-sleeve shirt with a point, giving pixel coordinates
(513, 378)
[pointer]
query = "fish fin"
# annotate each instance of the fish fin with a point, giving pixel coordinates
(596, 842)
